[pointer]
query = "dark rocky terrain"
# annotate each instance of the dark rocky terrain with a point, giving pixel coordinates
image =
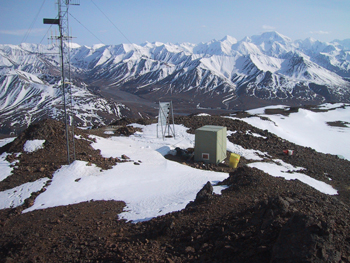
(258, 218)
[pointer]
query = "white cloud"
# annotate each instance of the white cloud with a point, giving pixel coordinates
(320, 32)
(22, 32)
(267, 27)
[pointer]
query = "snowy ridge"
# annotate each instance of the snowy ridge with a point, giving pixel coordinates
(227, 67)
(26, 97)
(216, 74)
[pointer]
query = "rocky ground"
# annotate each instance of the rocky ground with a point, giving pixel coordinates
(258, 218)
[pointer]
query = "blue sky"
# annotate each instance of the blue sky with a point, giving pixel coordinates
(176, 21)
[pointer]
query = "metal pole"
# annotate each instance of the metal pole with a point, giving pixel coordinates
(63, 26)
(71, 117)
(172, 116)
(62, 77)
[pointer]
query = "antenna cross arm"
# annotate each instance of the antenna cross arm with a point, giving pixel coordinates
(51, 21)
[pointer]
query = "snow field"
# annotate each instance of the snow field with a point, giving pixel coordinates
(309, 129)
(155, 187)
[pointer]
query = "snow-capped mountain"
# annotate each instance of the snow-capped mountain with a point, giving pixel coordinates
(227, 74)
(223, 74)
(30, 90)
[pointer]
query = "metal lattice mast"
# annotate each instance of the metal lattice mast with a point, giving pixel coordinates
(64, 39)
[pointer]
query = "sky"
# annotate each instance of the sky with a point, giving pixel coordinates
(169, 21)
(158, 186)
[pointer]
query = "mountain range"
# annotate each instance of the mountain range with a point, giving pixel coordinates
(111, 81)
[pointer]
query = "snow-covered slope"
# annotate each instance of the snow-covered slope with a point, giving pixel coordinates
(24, 98)
(268, 66)
(30, 90)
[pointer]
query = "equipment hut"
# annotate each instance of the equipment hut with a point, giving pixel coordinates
(210, 144)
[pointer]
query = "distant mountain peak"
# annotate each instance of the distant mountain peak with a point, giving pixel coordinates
(272, 36)
(229, 39)
(223, 74)
(344, 43)
(97, 46)
(310, 39)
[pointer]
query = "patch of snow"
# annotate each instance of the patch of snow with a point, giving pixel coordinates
(155, 187)
(15, 197)
(308, 128)
(33, 145)
(255, 134)
(229, 133)
(262, 109)
(6, 141)
(217, 189)
(5, 169)
(288, 172)
(249, 154)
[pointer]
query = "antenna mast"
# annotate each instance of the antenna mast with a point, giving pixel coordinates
(64, 39)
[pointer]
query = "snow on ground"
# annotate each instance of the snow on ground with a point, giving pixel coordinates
(155, 187)
(5, 169)
(6, 141)
(278, 168)
(158, 186)
(16, 196)
(308, 128)
(150, 189)
(33, 145)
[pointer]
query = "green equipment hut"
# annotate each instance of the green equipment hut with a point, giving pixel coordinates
(210, 144)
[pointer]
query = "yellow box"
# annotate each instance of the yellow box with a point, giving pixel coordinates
(234, 160)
